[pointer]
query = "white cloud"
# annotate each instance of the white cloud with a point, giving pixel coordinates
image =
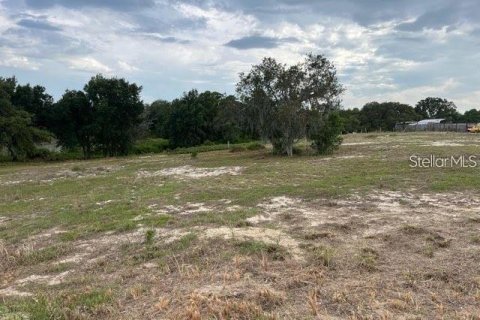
(125, 66)
(88, 64)
(9, 59)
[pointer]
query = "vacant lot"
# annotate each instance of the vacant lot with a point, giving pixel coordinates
(245, 235)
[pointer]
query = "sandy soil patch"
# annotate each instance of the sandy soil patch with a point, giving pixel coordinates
(51, 174)
(192, 172)
(50, 280)
(12, 292)
(270, 236)
(444, 144)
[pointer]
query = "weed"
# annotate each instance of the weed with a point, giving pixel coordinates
(149, 237)
(368, 259)
(324, 256)
(251, 247)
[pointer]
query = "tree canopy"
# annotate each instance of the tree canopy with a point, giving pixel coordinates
(435, 108)
(277, 97)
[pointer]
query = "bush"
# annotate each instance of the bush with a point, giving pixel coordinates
(152, 145)
(326, 134)
(255, 146)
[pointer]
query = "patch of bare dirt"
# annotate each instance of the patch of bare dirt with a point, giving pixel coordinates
(50, 174)
(191, 172)
(269, 236)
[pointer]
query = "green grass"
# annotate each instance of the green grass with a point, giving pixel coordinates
(64, 307)
(255, 247)
(78, 206)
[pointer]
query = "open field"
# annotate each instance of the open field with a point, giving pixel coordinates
(245, 235)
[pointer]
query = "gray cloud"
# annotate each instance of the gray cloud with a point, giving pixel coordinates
(112, 4)
(37, 24)
(398, 49)
(253, 42)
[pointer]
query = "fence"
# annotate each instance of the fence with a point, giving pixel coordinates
(446, 127)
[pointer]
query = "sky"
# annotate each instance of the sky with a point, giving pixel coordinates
(384, 50)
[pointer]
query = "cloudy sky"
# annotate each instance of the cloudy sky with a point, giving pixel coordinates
(400, 50)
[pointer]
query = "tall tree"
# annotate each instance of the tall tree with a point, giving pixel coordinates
(437, 108)
(158, 114)
(384, 115)
(471, 116)
(74, 120)
(191, 118)
(351, 120)
(17, 134)
(117, 108)
(277, 96)
(35, 101)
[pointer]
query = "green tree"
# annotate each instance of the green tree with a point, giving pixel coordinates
(277, 97)
(471, 116)
(384, 116)
(117, 109)
(17, 134)
(230, 122)
(158, 115)
(74, 120)
(439, 108)
(35, 101)
(351, 120)
(325, 132)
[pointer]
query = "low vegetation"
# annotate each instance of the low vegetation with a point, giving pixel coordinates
(244, 234)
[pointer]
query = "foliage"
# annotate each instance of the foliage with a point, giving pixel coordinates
(471, 116)
(75, 122)
(383, 116)
(117, 110)
(437, 108)
(17, 134)
(351, 120)
(325, 133)
(35, 101)
(277, 98)
(151, 145)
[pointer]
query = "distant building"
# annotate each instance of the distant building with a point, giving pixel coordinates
(432, 125)
(428, 121)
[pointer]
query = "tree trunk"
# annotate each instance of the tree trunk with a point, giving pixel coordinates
(289, 150)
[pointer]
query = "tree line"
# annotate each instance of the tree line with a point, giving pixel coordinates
(274, 103)
(375, 116)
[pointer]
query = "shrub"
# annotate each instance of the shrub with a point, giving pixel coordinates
(326, 134)
(255, 146)
(152, 145)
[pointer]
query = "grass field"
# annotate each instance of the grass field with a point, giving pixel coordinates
(245, 235)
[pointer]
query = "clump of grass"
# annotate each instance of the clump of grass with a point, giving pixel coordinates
(475, 239)
(74, 306)
(184, 242)
(270, 299)
(324, 256)
(149, 237)
(194, 154)
(317, 235)
(42, 255)
(438, 241)
(412, 230)
(368, 259)
(429, 250)
(252, 247)
(77, 169)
